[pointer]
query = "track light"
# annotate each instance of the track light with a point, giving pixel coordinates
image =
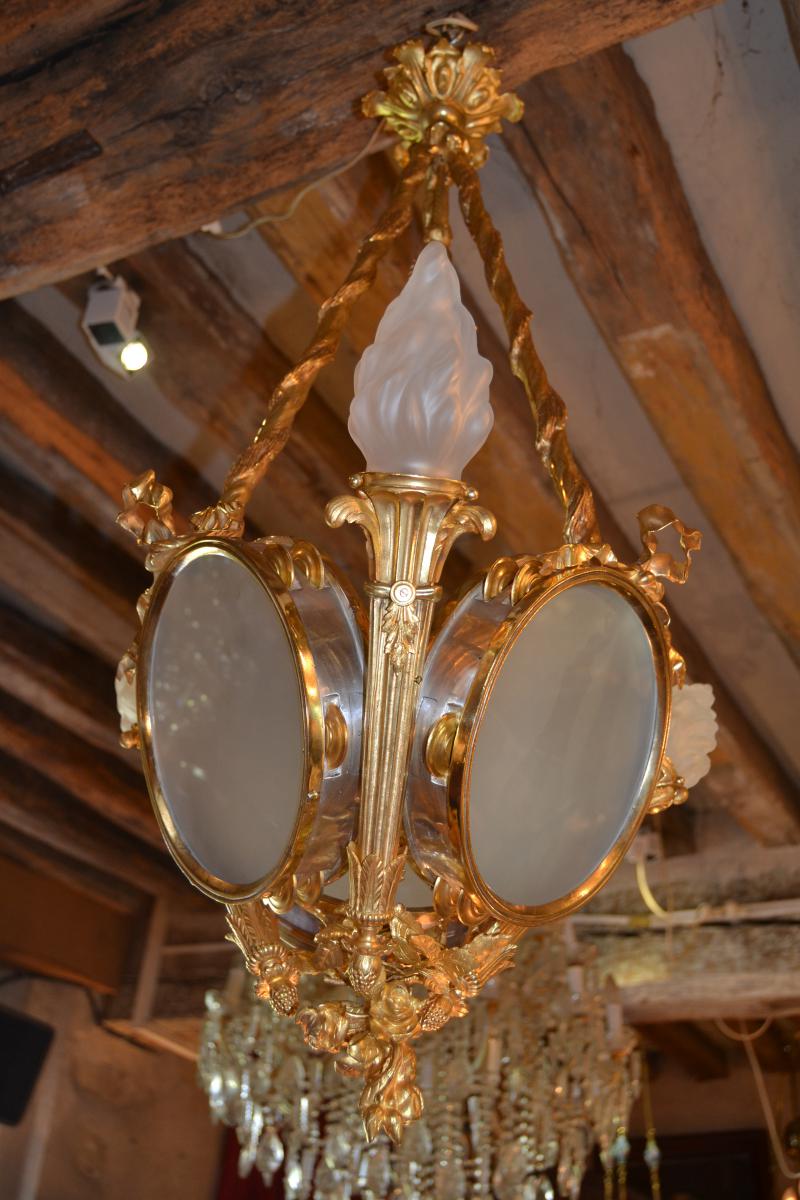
(109, 322)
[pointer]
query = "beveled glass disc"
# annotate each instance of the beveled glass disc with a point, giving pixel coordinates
(563, 748)
(225, 721)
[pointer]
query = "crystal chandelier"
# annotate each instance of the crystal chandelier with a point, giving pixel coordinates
(289, 738)
(516, 1095)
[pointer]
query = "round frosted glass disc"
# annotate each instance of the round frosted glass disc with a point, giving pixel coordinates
(562, 755)
(226, 719)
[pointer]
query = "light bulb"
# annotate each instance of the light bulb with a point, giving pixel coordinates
(421, 404)
(134, 355)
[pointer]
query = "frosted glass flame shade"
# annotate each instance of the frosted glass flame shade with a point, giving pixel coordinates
(421, 404)
(561, 756)
(692, 731)
(228, 737)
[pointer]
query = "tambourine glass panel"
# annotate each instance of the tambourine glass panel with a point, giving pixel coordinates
(562, 745)
(563, 704)
(232, 712)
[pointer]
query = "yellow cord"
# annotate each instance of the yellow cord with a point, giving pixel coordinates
(646, 893)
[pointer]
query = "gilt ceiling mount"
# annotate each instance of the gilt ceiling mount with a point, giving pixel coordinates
(292, 737)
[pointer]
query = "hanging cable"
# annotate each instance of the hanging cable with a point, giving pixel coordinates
(214, 230)
(747, 1039)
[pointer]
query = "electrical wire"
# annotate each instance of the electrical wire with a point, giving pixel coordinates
(769, 1116)
(646, 892)
(214, 231)
(747, 1039)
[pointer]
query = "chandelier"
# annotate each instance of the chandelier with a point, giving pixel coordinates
(290, 738)
(540, 1072)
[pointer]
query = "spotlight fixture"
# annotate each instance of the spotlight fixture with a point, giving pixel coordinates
(510, 757)
(109, 322)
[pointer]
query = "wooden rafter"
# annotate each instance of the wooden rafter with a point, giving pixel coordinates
(33, 806)
(60, 931)
(151, 120)
(63, 682)
(791, 10)
(591, 147)
(57, 566)
(684, 1042)
(94, 779)
(74, 438)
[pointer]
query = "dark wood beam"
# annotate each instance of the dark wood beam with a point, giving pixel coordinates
(685, 1043)
(65, 683)
(34, 807)
(57, 566)
(591, 147)
(94, 779)
(81, 876)
(57, 930)
(791, 11)
(218, 368)
(71, 435)
(156, 119)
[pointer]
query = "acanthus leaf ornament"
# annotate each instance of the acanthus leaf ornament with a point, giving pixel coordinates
(445, 93)
(147, 510)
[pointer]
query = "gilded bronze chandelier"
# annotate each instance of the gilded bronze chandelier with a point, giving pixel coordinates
(288, 737)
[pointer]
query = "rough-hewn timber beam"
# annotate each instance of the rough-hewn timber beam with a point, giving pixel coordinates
(738, 971)
(592, 149)
(93, 778)
(74, 438)
(63, 682)
(99, 884)
(700, 1057)
(33, 806)
(158, 118)
(60, 931)
(738, 872)
(56, 565)
(791, 10)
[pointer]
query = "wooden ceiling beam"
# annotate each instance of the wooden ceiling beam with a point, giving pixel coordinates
(65, 683)
(33, 806)
(791, 11)
(72, 436)
(592, 150)
(738, 971)
(156, 119)
(94, 779)
(219, 368)
(97, 884)
(686, 1044)
(61, 932)
(56, 565)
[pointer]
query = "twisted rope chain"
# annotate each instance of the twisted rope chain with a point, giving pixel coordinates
(549, 411)
(291, 393)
